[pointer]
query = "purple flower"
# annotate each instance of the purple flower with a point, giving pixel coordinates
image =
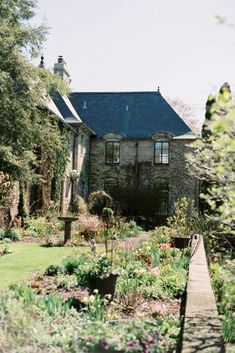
(131, 344)
(103, 342)
(152, 343)
(89, 338)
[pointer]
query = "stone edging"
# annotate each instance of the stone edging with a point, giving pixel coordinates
(202, 327)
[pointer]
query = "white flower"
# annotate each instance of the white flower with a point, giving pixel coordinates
(91, 298)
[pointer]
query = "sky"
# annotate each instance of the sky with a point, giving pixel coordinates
(137, 45)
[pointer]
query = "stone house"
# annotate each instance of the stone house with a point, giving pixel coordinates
(128, 140)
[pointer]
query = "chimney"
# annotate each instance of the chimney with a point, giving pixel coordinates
(42, 64)
(60, 70)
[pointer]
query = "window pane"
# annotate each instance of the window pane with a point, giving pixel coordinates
(165, 152)
(158, 148)
(109, 152)
(116, 152)
(162, 152)
(112, 152)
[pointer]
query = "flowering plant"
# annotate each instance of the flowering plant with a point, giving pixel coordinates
(89, 226)
(90, 272)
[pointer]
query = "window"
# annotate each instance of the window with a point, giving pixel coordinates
(82, 142)
(161, 152)
(112, 152)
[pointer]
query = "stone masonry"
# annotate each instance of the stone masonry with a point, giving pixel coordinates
(137, 167)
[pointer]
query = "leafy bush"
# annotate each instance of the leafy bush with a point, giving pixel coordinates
(173, 282)
(79, 205)
(224, 287)
(162, 234)
(39, 226)
(90, 272)
(125, 229)
(53, 270)
(10, 233)
(2, 233)
(71, 264)
(66, 281)
(99, 200)
(180, 222)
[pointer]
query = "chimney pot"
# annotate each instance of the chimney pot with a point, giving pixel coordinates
(60, 59)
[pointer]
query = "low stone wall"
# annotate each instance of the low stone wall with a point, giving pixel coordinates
(202, 327)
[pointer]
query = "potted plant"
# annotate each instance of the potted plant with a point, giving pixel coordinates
(98, 274)
(180, 224)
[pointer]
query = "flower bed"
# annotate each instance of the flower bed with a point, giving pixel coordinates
(223, 280)
(143, 316)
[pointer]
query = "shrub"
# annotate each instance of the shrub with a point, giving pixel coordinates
(2, 233)
(89, 226)
(71, 264)
(126, 229)
(79, 205)
(90, 272)
(224, 287)
(162, 234)
(10, 233)
(39, 226)
(97, 201)
(53, 270)
(173, 282)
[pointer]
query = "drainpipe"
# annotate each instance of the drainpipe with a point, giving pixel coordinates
(73, 165)
(136, 164)
(89, 168)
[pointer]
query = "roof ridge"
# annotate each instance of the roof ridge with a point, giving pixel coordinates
(116, 92)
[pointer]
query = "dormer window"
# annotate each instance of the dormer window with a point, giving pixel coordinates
(112, 152)
(161, 152)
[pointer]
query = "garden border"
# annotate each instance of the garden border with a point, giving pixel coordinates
(202, 327)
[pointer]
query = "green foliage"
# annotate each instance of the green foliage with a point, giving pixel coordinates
(180, 221)
(53, 270)
(90, 272)
(224, 287)
(5, 249)
(162, 234)
(107, 214)
(214, 162)
(39, 227)
(95, 307)
(30, 136)
(66, 281)
(72, 264)
(10, 233)
(173, 282)
(79, 205)
(97, 201)
(124, 229)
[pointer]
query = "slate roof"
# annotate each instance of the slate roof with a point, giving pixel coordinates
(134, 114)
(65, 108)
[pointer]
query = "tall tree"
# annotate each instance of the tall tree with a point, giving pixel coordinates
(215, 160)
(25, 125)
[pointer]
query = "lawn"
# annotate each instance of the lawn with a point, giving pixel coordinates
(27, 258)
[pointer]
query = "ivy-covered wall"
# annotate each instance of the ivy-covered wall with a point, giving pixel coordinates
(137, 169)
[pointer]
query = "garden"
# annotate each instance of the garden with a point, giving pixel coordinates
(114, 288)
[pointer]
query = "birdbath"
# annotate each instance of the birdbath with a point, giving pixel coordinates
(67, 226)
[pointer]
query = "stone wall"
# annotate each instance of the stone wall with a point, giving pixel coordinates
(77, 171)
(137, 168)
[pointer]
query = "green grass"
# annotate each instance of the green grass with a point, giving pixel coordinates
(28, 258)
